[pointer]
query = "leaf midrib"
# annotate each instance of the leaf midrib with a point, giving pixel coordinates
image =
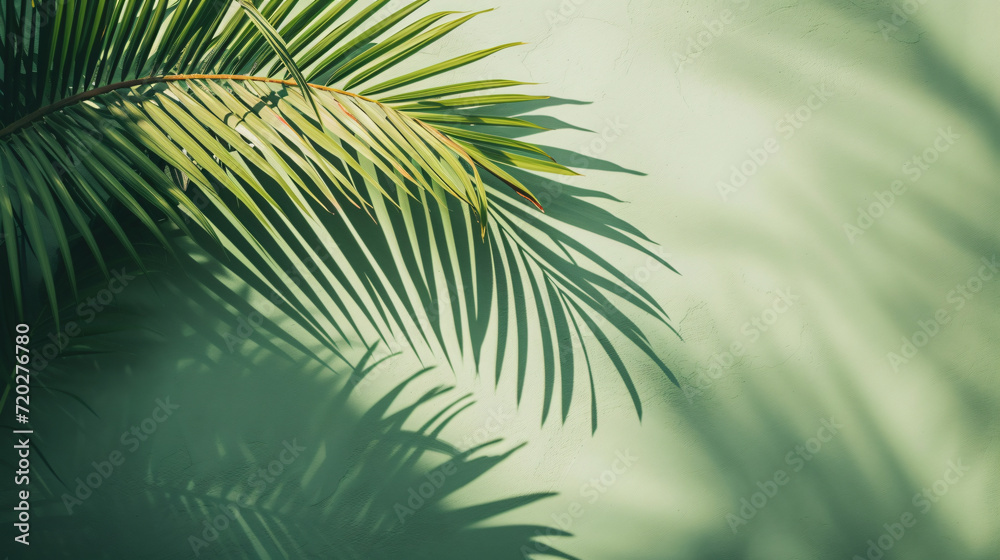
(89, 94)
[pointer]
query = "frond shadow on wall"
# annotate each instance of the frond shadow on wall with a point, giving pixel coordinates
(425, 279)
(299, 460)
(238, 145)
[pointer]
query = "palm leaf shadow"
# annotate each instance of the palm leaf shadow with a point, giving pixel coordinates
(341, 499)
(841, 501)
(249, 151)
(534, 277)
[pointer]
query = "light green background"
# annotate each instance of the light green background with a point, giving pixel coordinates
(827, 356)
(699, 454)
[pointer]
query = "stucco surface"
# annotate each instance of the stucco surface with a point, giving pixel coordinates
(768, 147)
(884, 86)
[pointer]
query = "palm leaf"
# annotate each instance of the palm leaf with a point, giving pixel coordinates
(221, 121)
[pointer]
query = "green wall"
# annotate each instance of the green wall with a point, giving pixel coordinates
(796, 433)
(685, 123)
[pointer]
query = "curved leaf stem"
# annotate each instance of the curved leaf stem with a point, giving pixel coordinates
(85, 95)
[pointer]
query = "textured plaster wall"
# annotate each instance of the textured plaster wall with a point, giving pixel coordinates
(880, 94)
(796, 436)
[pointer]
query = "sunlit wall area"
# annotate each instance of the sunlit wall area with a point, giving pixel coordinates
(822, 175)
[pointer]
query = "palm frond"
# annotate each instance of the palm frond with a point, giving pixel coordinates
(224, 122)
